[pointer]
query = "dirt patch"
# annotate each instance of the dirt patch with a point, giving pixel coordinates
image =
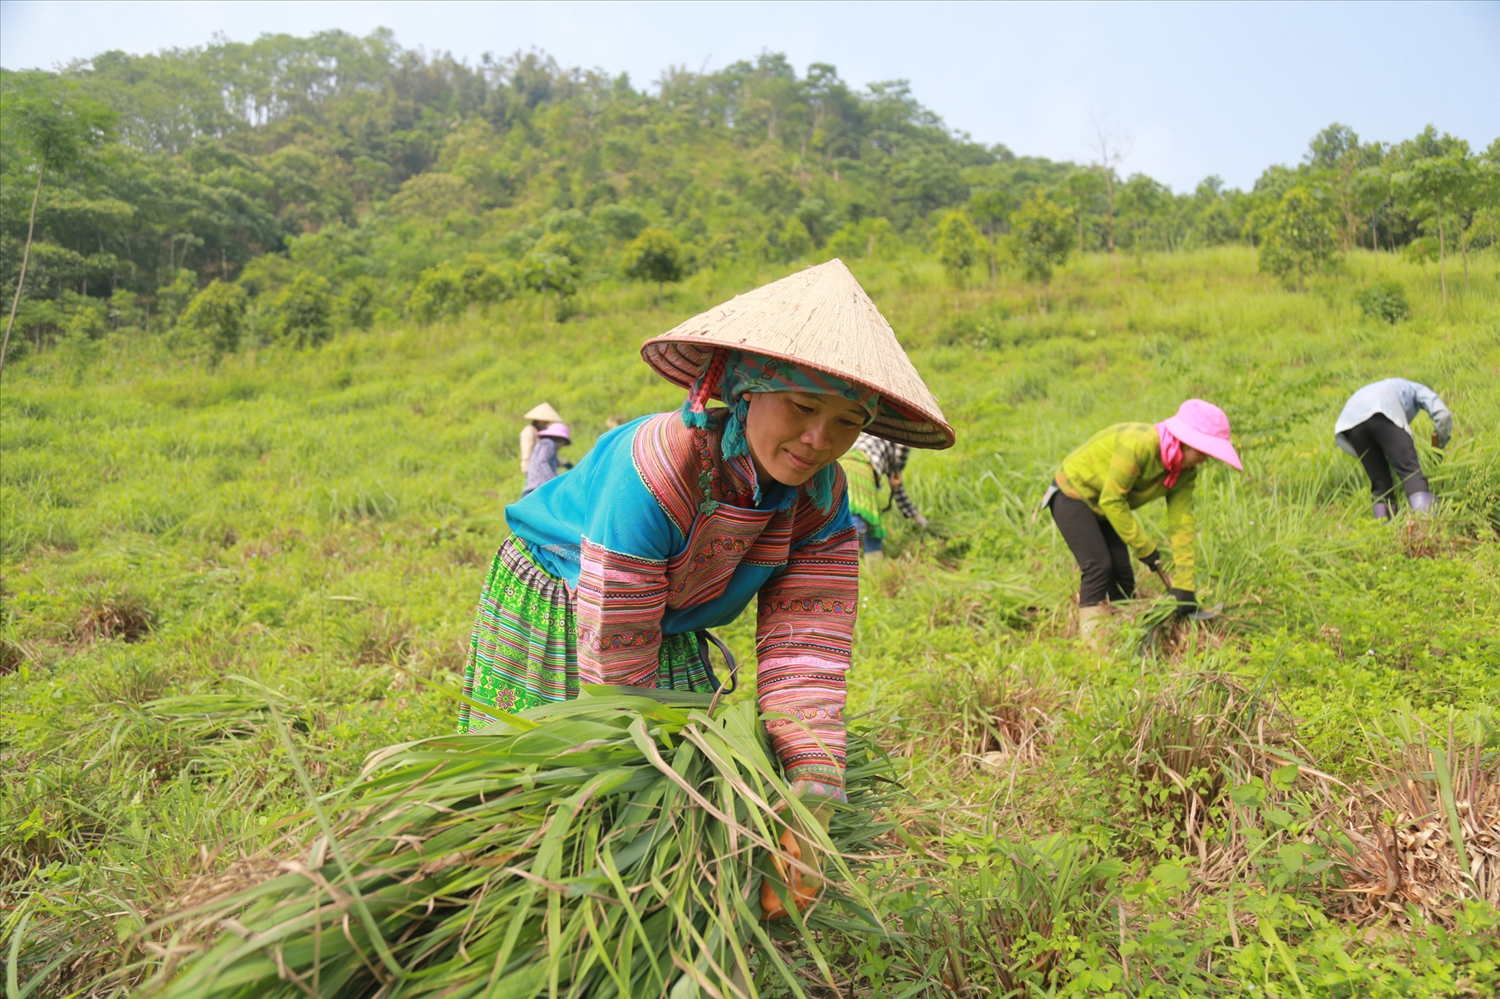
(109, 615)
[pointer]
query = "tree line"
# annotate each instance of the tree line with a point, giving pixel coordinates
(283, 188)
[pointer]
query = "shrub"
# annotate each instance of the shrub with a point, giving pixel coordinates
(1043, 237)
(1385, 301)
(304, 311)
(216, 316)
(654, 255)
(357, 304)
(1300, 239)
(619, 221)
(437, 294)
(958, 245)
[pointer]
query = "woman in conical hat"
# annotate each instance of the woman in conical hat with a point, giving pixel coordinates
(674, 523)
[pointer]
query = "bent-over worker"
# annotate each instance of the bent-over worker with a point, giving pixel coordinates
(538, 418)
(543, 467)
(675, 522)
(866, 463)
(1121, 468)
(1375, 427)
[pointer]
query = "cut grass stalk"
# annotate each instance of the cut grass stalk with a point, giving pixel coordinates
(608, 846)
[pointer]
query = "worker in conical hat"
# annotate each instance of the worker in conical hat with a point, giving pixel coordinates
(538, 418)
(544, 461)
(675, 522)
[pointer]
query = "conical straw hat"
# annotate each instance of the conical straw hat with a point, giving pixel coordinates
(542, 412)
(820, 318)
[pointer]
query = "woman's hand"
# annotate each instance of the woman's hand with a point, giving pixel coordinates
(1187, 601)
(798, 850)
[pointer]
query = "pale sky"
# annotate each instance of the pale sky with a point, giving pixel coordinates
(1224, 88)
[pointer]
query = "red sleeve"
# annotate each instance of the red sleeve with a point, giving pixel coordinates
(621, 599)
(803, 641)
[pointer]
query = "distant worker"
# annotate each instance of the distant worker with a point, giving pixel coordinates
(538, 419)
(543, 467)
(870, 460)
(1375, 427)
(1119, 469)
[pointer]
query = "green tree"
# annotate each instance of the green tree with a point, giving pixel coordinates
(992, 207)
(793, 237)
(656, 255)
(484, 283)
(1143, 203)
(958, 245)
(304, 311)
(1436, 188)
(1336, 154)
(172, 299)
(439, 292)
(358, 301)
(1299, 238)
(544, 272)
(216, 315)
(1043, 235)
(1084, 189)
(58, 127)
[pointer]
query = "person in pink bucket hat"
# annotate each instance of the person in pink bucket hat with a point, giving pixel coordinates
(1100, 485)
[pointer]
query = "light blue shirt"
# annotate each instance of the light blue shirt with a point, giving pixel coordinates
(1398, 400)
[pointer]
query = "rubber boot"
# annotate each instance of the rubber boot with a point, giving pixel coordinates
(1421, 502)
(1091, 625)
(1382, 510)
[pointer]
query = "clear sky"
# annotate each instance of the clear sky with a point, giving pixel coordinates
(1224, 88)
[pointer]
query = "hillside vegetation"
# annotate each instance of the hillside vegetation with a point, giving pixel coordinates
(311, 527)
(338, 181)
(281, 489)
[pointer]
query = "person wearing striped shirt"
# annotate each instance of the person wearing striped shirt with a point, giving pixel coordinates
(865, 465)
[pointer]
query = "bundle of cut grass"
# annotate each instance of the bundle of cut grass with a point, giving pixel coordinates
(609, 846)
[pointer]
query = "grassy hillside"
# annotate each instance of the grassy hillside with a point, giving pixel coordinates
(1186, 815)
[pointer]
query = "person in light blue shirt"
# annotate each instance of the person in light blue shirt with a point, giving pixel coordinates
(1375, 427)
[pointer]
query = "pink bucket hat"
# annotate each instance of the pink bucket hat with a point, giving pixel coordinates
(1204, 426)
(560, 431)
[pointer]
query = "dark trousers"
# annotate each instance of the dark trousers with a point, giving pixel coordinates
(1384, 447)
(1105, 561)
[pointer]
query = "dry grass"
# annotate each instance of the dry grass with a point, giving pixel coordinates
(107, 614)
(1401, 850)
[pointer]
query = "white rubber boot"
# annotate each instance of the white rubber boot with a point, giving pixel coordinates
(1092, 624)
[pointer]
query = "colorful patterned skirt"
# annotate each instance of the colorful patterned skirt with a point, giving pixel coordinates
(864, 497)
(524, 648)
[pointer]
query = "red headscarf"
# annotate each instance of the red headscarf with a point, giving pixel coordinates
(1171, 455)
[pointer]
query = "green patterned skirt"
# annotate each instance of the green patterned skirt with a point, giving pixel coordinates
(524, 648)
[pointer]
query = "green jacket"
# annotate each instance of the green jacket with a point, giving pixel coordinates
(1119, 469)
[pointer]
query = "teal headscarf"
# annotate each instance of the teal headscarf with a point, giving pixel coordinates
(733, 375)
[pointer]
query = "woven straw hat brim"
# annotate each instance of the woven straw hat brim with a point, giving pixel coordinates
(819, 318)
(542, 411)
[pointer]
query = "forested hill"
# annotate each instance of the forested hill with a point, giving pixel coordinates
(336, 180)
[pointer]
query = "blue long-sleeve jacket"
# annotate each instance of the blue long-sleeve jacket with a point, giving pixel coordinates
(1398, 400)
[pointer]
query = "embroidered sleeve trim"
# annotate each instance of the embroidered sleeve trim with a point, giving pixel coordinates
(621, 599)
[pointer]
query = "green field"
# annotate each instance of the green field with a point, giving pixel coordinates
(1183, 816)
